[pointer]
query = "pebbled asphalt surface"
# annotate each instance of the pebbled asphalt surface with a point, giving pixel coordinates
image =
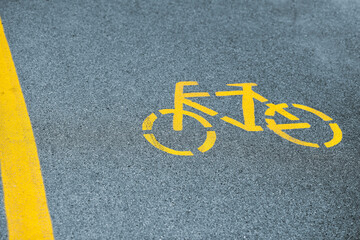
(92, 71)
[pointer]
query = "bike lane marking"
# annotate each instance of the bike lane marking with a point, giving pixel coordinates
(248, 107)
(24, 192)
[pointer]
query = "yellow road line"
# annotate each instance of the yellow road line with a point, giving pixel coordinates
(24, 193)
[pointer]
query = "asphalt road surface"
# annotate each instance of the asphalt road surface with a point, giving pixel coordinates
(92, 71)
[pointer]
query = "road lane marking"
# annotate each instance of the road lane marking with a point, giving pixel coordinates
(24, 192)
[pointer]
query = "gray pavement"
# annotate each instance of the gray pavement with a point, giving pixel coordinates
(92, 71)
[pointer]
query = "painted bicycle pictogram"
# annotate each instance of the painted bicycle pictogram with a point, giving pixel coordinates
(248, 107)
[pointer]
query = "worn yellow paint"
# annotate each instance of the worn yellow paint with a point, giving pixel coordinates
(314, 111)
(279, 108)
(248, 108)
(24, 193)
(180, 99)
(337, 135)
(233, 122)
(209, 141)
(201, 120)
(149, 121)
(151, 139)
(278, 129)
(248, 105)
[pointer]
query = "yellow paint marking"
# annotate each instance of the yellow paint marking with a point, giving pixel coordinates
(280, 109)
(248, 106)
(196, 94)
(199, 107)
(202, 120)
(241, 125)
(228, 93)
(24, 193)
(179, 104)
(277, 128)
(149, 121)
(314, 111)
(337, 135)
(151, 138)
(288, 126)
(180, 100)
(209, 141)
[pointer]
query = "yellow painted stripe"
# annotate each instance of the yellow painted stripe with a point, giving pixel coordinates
(314, 111)
(209, 141)
(24, 193)
(149, 122)
(151, 138)
(337, 135)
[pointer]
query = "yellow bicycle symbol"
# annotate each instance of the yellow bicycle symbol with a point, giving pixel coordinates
(248, 107)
